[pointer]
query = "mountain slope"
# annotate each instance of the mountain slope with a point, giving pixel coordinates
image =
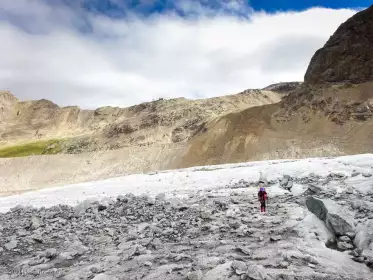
(325, 121)
(162, 121)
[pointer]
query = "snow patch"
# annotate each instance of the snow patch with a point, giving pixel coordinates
(191, 180)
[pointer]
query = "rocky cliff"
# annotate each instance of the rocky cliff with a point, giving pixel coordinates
(348, 54)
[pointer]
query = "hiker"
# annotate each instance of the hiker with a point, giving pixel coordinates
(262, 197)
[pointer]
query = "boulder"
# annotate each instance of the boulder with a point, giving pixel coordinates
(239, 267)
(245, 250)
(345, 238)
(82, 207)
(287, 182)
(11, 245)
(336, 218)
(151, 200)
(35, 223)
(344, 246)
(275, 238)
(195, 275)
(221, 272)
(364, 238)
(160, 197)
(314, 188)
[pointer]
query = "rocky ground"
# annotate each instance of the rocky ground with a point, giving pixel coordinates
(203, 236)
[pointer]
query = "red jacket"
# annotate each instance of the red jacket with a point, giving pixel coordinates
(262, 195)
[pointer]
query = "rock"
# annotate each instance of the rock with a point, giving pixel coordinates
(74, 250)
(347, 55)
(37, 238)
(314, 188)
(275, 238)
(364, 238)
(22, 233)
(358, 204)
(355, 174)
(180, 257)
(344, 246)
(195, 275)
(289, 185)
(284, 264)
(11, 245)
(349, 190)
(49, 253)
(35, 223)
(336, 218)
(104, 203)
(103, 276)
(234, 224)
(220, 272)
(239, 267)
(206, 214)
(284, 87)
(359, 259)
(244, 250)
(233, 212)
(122, 198)
(160, 197)
(356, 253)
(183, 207)
(345, 238)
(151, 201)
(148, 263)
(222, 203)
(255, 272)
(367, 175)
(82, 207)
(287, 182)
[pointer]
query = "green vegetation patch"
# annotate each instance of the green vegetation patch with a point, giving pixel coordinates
(42, 147)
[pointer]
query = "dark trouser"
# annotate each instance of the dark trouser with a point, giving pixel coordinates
(262, 206)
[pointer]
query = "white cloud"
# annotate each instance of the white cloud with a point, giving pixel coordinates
(124, 62)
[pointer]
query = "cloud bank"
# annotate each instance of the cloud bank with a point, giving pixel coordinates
(74, 57)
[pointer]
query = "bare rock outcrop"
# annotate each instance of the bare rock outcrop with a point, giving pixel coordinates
(348, 54)
(284, 88)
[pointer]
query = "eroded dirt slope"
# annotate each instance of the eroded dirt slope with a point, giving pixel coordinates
(161, 121)
(326, 121)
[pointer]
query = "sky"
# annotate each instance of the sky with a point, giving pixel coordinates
(94, 53)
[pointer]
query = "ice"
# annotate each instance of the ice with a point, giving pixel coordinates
(191, 180)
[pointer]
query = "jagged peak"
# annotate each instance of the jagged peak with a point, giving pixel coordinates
(347, 56)
(8, 96)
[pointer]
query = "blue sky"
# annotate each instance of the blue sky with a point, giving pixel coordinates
(284, 5)
(120, 8)
(93, 53)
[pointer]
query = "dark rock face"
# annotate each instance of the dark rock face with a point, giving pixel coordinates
(348, 54)
(283, 87)
(336, 218)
